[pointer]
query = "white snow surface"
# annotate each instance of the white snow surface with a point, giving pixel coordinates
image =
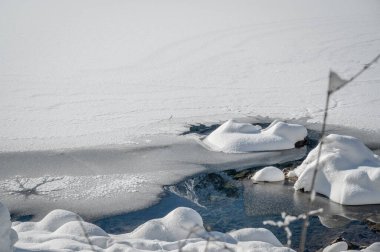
(80, 73)
(182, 228)
(234, 137)
(269, 174)
(349, 173)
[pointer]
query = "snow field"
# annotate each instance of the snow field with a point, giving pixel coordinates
(80, 73)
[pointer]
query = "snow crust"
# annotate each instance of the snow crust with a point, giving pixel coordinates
(181, 228)
(269, 174)
(234, 137)
(349, 172)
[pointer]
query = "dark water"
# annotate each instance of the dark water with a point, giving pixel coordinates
(230, 200)
(227, 203)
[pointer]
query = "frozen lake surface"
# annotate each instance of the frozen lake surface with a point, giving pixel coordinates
(89, 73)
(95, 94)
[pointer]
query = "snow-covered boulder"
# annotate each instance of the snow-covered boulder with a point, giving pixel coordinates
(269, 174)
(8, 236)
(349, 172)
(336, 247)
(234, 137)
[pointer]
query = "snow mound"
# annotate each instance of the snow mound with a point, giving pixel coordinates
(234, 137)
(269, 174)
(336, 247)
(7, 235)
(349, 172)
(52, 221)
(255, 234)
(173, 227)
(343, 247)
(181, 228)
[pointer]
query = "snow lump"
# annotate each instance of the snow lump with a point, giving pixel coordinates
(234, 137)
(269, 174)
(349, 172)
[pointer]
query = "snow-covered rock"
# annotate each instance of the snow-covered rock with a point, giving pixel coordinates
(349, 172)
(234, 137)
(7, 235)
(336, 247)
(269, 174)
(181, 228)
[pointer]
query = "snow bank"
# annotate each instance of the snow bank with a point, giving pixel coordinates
(7, 235)
(234, 137)
(183, 227)
(349, 172)
(269, 174)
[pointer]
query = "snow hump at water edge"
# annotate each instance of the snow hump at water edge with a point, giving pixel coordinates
(349, 172)
(234, 137)
(269, 174)
(181, 228)
(7, 235)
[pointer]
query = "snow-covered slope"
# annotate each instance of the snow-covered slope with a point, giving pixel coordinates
(349, 172)
(81, 73)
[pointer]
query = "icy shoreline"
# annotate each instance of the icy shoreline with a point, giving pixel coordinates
(141, 171)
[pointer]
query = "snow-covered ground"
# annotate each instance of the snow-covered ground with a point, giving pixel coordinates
(94, 92)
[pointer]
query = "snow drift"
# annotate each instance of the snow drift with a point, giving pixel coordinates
(349, 173)
(234, 137)
(181, 228)
(269, 174)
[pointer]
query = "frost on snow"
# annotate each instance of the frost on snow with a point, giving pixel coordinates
(269, 174)
(349, 173)
(234, 137)
(181, 228)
